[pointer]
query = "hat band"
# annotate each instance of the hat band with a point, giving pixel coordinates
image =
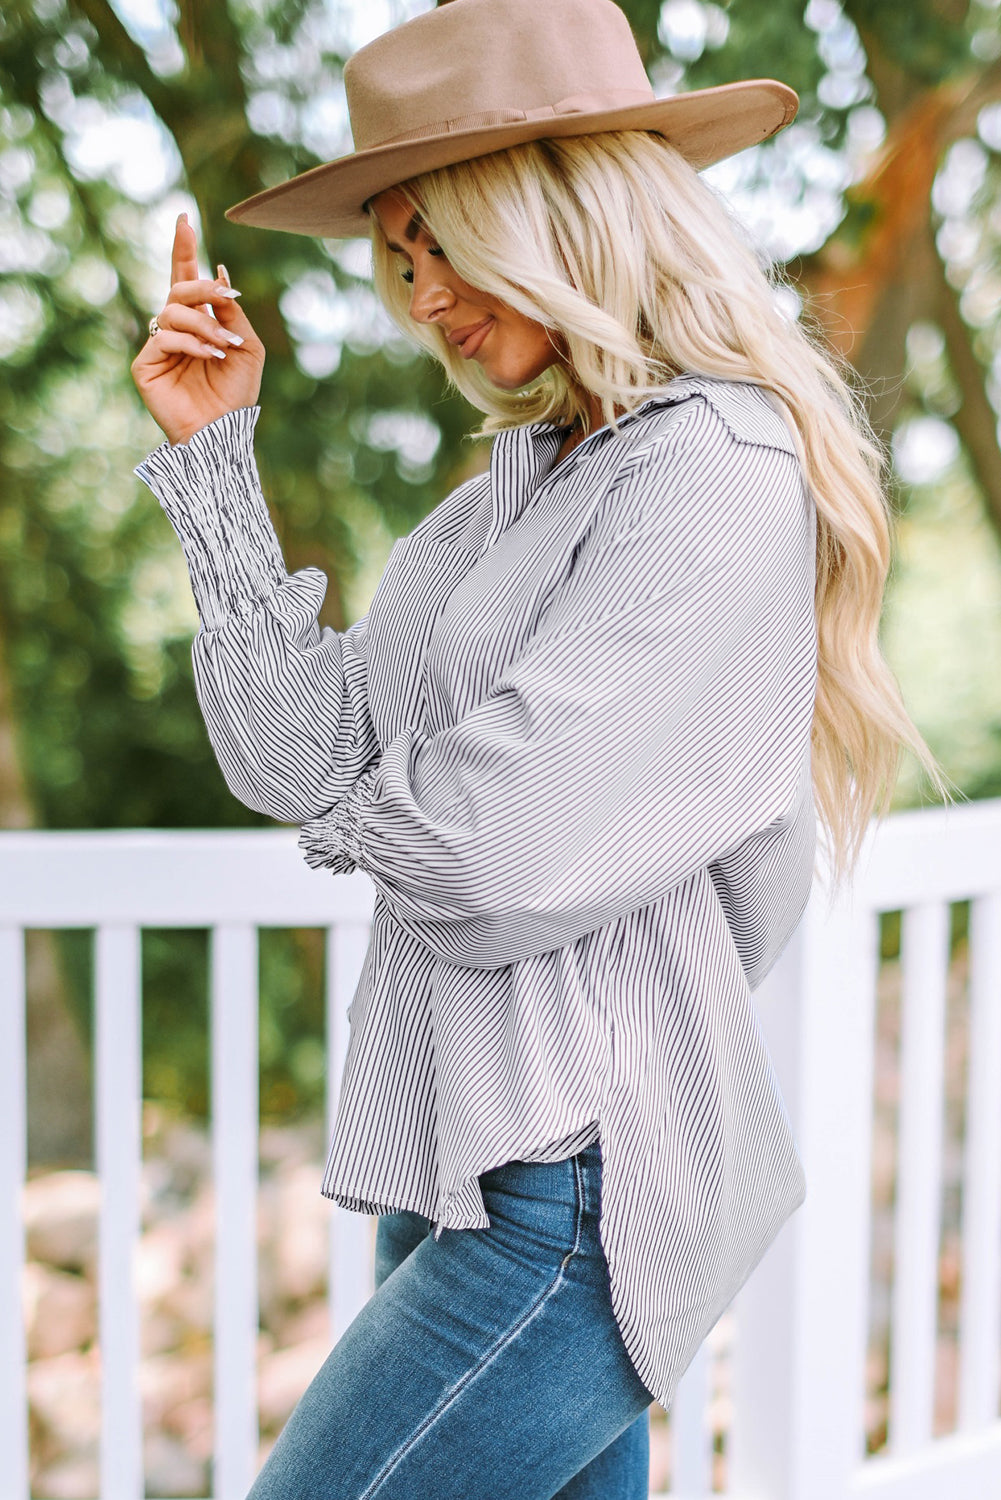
(576, 104)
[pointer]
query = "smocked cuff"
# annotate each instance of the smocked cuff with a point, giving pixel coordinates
(334, 841)
(210, 490)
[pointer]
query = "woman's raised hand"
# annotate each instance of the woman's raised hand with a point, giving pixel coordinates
(198, 366)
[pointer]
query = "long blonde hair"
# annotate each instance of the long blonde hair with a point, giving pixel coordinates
(616, 245)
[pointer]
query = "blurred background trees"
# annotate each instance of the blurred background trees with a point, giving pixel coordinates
(881, 202)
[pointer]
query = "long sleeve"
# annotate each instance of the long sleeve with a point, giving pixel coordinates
(658, 718)
(285, 703)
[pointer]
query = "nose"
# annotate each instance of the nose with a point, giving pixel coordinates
(431, 297)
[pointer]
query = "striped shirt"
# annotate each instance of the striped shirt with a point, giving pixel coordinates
(570, 745)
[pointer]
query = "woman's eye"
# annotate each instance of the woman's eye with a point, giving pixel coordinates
(408, 273)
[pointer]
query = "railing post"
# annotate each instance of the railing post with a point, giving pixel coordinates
(691, 1441)
(13, 1103)
(118, 1089)
(234, 1002)
(801, 1331)
(914, 1315)
(350, 1233)
(980, 1282)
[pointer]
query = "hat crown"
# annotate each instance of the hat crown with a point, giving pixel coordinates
(492, 61)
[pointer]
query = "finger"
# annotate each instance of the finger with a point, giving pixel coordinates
(174, 341)
(184, 252)
(195, 293)
(181, 319)
(221, 299)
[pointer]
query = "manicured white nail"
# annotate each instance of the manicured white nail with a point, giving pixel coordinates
(233, 338)
(227, 291)
(211, 349)
(222, 274)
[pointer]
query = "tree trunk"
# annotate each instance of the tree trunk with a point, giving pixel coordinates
(59, 1091)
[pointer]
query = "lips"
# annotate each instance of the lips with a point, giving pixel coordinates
(467, 340)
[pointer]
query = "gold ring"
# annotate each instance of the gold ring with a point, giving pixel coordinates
(154, 327)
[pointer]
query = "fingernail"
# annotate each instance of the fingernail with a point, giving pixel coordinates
(234, 339)
(227, 291)
(223, 275)
(181, 219)
(211, 349)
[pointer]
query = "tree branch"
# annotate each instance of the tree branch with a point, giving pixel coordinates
(216, 48)
(976, 421)
(131, 58)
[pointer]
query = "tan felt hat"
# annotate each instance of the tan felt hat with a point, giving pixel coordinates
(475, 76)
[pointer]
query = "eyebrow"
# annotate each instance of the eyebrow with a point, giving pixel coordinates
(411, 232)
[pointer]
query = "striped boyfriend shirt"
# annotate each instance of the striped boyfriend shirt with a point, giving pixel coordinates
(570, 745)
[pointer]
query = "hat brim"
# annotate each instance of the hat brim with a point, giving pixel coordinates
(706, 126)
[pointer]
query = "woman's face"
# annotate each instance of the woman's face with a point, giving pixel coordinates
(512, 349)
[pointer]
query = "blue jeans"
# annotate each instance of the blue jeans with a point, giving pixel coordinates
(487, 1366)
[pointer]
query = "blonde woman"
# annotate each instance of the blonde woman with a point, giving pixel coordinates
(578, 744)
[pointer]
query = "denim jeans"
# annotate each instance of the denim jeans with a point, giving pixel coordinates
(487, 1365)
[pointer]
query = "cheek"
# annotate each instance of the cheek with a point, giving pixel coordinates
(539, 350)
(529, 344)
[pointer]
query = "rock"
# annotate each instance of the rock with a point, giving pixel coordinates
(282, 1147)
(160, 1333)
(176, 1275)
(64, 1398)
(660, 1452)
(190, 1304)
(160, 1262)
(198, 1227)
(283, 1376)
(877, 1368)
(192, 1423)
(60, 1311)
(950, 1266)
(76, 1478)
(946, 1386)
(294, 1238)
(884, 1165)
(171, 1469)
(169, 1380)
(304, 1325)
(60, 1220)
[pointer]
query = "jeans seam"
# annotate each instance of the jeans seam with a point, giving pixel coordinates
(495, 1349)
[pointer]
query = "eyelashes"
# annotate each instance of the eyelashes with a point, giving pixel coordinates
(408, 273)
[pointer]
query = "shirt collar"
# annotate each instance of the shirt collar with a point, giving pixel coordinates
(521, 455)
(679, 389)
(517, 460)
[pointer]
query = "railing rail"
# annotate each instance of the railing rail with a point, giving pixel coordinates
(800, 1325)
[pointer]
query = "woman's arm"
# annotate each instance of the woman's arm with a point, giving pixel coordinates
(285, 704)
(660, 717)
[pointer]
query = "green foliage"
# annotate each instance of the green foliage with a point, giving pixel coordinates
(926, 39)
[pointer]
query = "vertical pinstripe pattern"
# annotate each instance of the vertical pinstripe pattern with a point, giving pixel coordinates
(570, 746)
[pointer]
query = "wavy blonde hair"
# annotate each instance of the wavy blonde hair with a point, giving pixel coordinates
(616, 245)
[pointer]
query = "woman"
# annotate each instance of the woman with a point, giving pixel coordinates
(577, 744)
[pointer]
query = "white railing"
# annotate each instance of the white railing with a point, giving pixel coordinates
(798, 1415)
(231, 883)
(799, 1329)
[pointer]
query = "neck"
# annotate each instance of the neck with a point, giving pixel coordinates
(595, 416)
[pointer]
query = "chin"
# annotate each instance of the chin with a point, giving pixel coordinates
(517, 381)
